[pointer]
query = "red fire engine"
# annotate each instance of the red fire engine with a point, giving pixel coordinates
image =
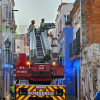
(39, 71)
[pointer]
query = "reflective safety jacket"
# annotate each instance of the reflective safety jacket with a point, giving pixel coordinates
(60, 56)
(12, 89)
(32, 26)
(42, 25)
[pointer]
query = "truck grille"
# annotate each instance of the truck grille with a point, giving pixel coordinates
(41, 73)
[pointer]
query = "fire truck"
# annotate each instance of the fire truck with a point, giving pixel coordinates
(34, 78)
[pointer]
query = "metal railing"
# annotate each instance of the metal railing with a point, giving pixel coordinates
(32, 44)
(74, 46)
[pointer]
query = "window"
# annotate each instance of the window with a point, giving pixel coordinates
(18, 46)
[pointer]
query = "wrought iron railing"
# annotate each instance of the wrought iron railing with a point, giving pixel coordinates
(74, 46)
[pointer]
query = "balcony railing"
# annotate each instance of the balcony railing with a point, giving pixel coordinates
(74, 46)
(69, 20)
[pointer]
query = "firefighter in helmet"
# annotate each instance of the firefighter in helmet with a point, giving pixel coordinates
(32, 26)
(42, 25)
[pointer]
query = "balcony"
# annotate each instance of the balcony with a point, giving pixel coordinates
(69, 21)
(13, 28)
(74, 47)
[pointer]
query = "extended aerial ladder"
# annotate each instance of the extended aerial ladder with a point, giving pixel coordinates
(40, 47)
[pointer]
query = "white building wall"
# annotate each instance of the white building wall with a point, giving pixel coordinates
(7, 6)
(98, 78)
(90, 71)
(65, 10)
(19, 46)
(77, 23)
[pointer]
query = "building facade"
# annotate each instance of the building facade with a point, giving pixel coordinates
(90, 44)
(74, 47)
(21, 44)
(7, 31)
(63, 10)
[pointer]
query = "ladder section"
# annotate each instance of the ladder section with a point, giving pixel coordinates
(40, 54)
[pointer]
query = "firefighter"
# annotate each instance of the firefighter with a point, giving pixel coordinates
(60, 56)
(12, 91)
(32, 26)
(42, 25)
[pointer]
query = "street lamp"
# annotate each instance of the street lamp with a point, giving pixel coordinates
(7, 45)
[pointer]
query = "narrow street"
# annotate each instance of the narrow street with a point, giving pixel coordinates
(49, 49)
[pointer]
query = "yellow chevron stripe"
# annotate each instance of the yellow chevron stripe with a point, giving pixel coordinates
(26, 86)
(21, 98)
(63, 89)
(64, 96)
(17, 91)
(47, 96)
(59, 98)
(52, 91)
(63, 92)
(27, 98)
(17, 95)
(18, 88)
(50, 88)
(54, 98)
(34, 96)
(30, 88)
(55, 87)
(41, 90)
(47, 90)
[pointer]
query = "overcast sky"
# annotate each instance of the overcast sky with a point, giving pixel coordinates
(35, 9)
